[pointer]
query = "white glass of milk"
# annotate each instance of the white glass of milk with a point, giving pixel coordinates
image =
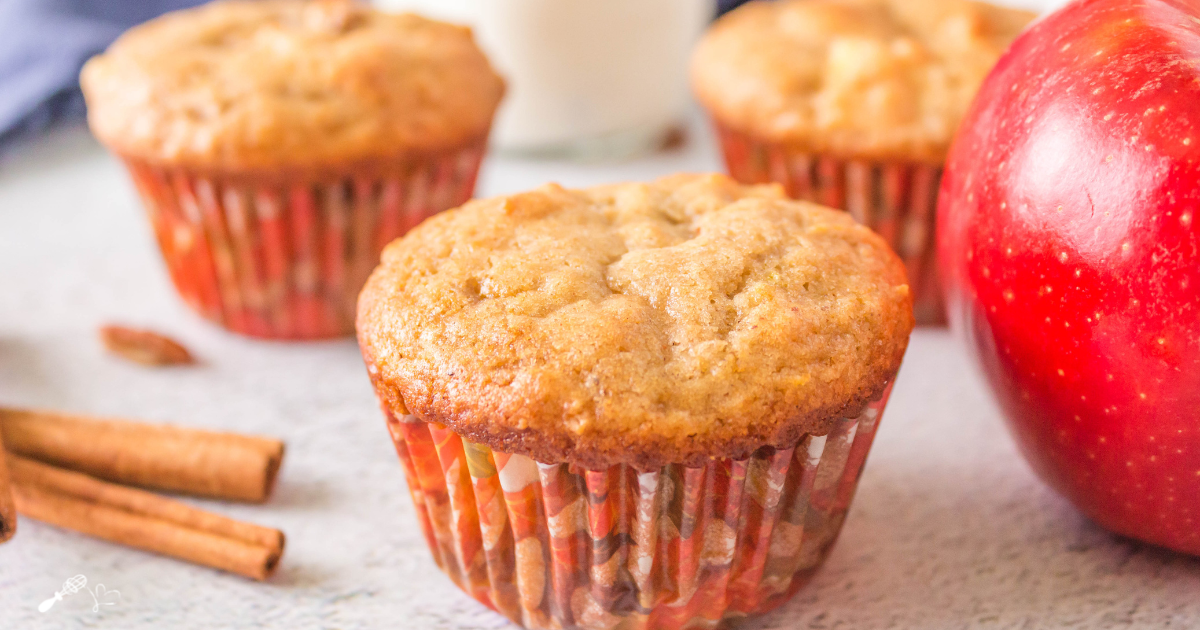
(586, 78)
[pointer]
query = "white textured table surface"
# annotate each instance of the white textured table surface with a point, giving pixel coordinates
(949, 528)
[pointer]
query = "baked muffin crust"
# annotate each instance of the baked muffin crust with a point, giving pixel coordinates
(646, 324)
(244, 85)
(873, 79)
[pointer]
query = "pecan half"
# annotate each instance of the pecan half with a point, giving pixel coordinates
(144, 346)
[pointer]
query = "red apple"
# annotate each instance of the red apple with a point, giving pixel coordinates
(1069, 235)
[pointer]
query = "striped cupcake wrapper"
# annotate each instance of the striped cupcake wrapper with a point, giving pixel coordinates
(898, 200)
(285, 258)
(555, 546)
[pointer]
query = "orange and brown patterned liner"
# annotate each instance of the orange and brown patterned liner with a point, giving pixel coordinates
(554, 546)
(898, 200)
(285, 258)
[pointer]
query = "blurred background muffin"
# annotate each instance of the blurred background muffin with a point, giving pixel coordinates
(853, 104)
(634, 405)
(279, 145)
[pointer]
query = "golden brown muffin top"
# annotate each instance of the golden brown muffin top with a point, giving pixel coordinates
(674, 321)
(267, 84)
(875, 79)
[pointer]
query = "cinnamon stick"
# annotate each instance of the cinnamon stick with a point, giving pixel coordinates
(143, 520)
(8, 511)
(189, 461)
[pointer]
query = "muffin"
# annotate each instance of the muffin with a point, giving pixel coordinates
(853, 104)
(637, 405)
(279, 145)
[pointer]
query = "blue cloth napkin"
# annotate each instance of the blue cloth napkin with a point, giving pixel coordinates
(43, 44)
(724, 6)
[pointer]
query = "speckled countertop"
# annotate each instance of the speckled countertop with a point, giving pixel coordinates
(949, 529)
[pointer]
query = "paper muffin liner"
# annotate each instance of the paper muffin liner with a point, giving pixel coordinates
(284, 257)
(898, 200)
(556, 546)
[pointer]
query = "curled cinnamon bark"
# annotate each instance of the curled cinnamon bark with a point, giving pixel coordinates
(189, 461)
(143, 520)
(8, 511)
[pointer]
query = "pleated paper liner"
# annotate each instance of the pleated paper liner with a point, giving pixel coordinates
(285, 258)
(554, 546)
(898, 200)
